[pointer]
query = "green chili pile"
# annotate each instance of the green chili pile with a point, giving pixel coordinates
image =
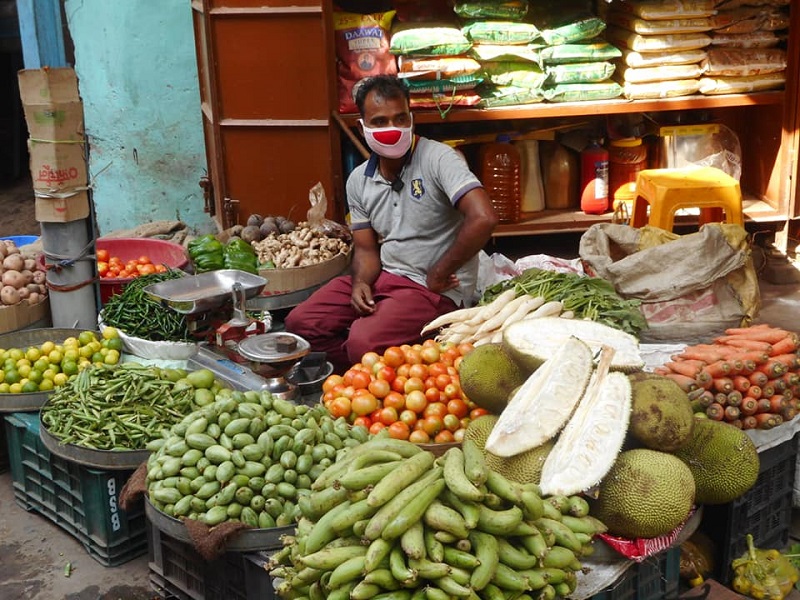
(136, 313)
(119, 407)
(588, 297)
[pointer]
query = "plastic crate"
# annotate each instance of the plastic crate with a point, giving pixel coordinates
(765, 511)
(655, 578)
(3, 451)
(178, 572)
(83, 502)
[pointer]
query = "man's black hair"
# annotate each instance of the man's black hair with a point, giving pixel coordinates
(385, 86)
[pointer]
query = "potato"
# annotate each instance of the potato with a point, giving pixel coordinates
(27, 276)
(39, 276)
(23, 293)
(13, 278)
(14, 262)
(34, 298)
(9, 295)
(30, 263)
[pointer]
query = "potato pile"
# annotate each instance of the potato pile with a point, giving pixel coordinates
(21, 275)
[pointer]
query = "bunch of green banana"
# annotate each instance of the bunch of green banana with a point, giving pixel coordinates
(391, 521)
(245, 457)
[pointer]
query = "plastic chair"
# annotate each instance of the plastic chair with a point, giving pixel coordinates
(667, 190)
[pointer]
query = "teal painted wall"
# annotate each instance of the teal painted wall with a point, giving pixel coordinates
(137, 73)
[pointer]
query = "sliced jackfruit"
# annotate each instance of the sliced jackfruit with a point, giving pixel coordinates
(590, 442)
(531, 342)
(542, 405)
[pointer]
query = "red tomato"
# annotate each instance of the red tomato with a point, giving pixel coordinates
(465, 348)
(363, 422)
(409, 417)
(444, 437)
(147, 269)
(161, 268)
(437, 369)
(418, 370)
(379, 388)
(395, 400)
(144, 260)
(457, 407)
(331, 381)
(386, 373)
(452, 391)
(388, 415)
(432, 425)
(102, 255)
(102, 268)
(477, 412)
(442, 381)
(376, 427)
(399, 430)
(399, 384)
(394, 356)
(340, 407)
(413, 383)
(413, 356)
(418, 436)
(451, 422)
(361, 380)
(429, 354)
(363, 404)
(403, 370)
(432, 394)
(416, 401)
(436, 409)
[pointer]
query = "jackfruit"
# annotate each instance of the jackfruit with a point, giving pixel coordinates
(532, 341)
(522, 468)
(544, 403)
(488, 375)
(662, 417)
(723, 460)
(645, 494)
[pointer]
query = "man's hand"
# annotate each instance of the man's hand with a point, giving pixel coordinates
(439, 284)
(361, 299)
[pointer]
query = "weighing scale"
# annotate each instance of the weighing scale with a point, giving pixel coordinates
(236, 346)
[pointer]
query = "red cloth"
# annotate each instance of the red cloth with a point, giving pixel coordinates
(331, 325)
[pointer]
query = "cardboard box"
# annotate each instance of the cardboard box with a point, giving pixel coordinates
(62, 210)
(285, 281)
(52, 105)
(57, 167)
(24, 315)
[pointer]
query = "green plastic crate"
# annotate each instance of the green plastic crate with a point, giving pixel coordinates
(655, 578)
(3, 451)
(178, 572)
(83, 502)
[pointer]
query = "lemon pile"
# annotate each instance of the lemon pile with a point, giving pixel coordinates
(49, 365)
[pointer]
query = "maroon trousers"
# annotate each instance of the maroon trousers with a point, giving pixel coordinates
(330, 323)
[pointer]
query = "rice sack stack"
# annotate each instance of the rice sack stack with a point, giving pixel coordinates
(663, 45)
(747, 48)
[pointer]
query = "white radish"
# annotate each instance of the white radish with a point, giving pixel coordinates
(497, 336)
(548, 309)
(499, 317)
(454, 316)
(490, 309)
(523, 309)
(485, 338)
(567, 314)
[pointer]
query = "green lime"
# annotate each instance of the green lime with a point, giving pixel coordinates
(42, 364)
(97, 357)
(12, 376)
(86, 337)
(29, 387)
(69, 367)
(35, 376)
(114, 344)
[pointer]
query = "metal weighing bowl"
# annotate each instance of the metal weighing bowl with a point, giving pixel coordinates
(246, 540)
(31, 401)
(99, 459)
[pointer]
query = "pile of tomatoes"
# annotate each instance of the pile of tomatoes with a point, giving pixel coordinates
(112, 267)
(414, 391)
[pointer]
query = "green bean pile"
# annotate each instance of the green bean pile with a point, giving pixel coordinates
(116, 408)
(137, 314)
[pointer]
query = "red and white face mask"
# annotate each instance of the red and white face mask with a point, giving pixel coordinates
(389, 142)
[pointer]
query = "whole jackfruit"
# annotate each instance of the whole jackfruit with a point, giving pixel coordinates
(645, 494)
(723, 460)
(525, 467)
(488, 375)
(661, 415)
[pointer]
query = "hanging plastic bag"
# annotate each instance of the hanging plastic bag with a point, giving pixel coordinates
(316, 215)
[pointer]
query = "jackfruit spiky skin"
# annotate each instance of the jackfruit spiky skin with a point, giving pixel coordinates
(522, 468)
(645, 494)
(722, 458)
(661, 416)
(488, 375)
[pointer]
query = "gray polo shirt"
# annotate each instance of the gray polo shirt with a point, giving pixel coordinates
(417, 224)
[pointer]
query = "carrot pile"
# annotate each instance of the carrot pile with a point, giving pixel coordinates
(750, 377)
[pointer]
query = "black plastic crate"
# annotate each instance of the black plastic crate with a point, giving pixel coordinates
(178, 572)
(655, 578)
(83, 502)
(3, 451)
(765, 511)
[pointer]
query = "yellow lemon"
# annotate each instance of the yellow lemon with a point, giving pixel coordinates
(60, 379)
(47, 347)
(24, 370)
(71, 342)
(46, 385)
(4, 388)
(54, 356)
(23, 361)
(72, 354)
(111, 358)
(49, 374)
(33, 354)
(16, 353)
(110, 333)
(86, 351)
(86, 337)
(95, 346)
(2, 376)
(15, 388)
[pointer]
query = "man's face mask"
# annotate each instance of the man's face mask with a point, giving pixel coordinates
(389, 142)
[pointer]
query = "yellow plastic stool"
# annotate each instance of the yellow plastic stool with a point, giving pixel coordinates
(666, 190)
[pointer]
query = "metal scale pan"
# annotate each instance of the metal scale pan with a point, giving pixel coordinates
(31, 401)
(246, 540)
(205, 292)
(89, 457)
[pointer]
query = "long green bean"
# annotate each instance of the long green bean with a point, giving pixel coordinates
(96, 409)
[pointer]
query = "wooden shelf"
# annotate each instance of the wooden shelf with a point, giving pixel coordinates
(592, 108)
(568, 221)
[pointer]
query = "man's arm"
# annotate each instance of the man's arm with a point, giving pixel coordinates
(366, 268)
(479, 223)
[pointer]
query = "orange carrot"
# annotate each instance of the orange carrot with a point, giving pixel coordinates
(749, 422)
(741, 383)
(705, 399)
(735, 398)
(683, 368)
(689, 361)
(789, 413)
(721, 398)
(773, 368)
(736, 423)
(715, 412)
(789, 361)
(754, 391)
(771, 335)
(732, 413)
(763, 405)
(784, 346)
(779, 384)
(765, 420)
(687, 384)
(707, 355)
(723, 385)
(719, 368)
(749, 406)
(791, 378)
(746, 330)
(777, 403)
(767, 391)
(748, 366)
(663, 371)
(746, 344)
(758, 378)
